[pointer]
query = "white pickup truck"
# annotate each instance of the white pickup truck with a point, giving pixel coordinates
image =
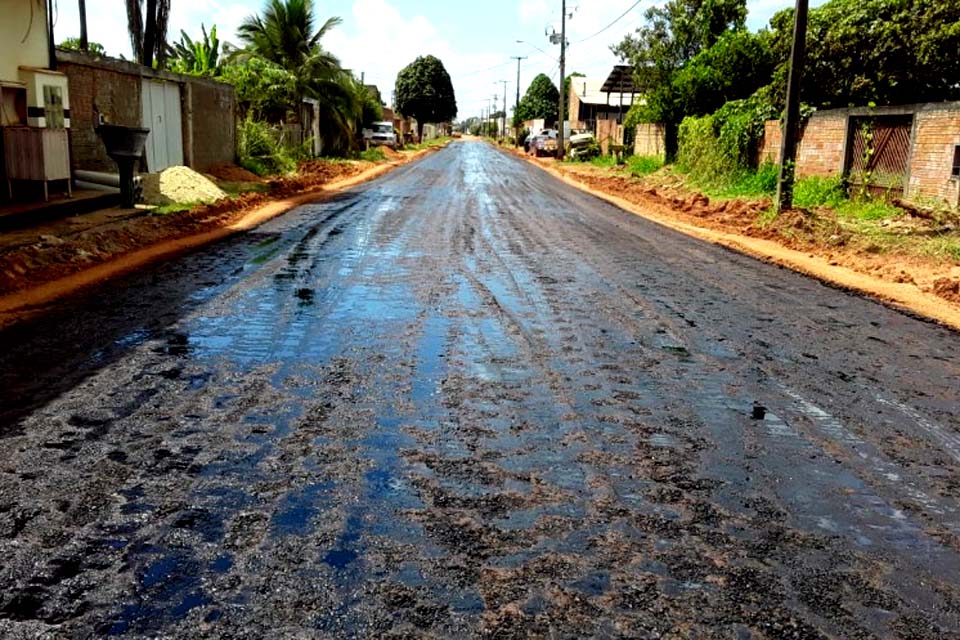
(381, 134)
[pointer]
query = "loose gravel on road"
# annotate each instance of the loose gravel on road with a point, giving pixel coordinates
(466, 400)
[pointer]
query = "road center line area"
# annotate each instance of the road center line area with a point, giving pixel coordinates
(468, 400)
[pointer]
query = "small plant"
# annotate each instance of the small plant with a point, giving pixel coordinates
(260, 149)
(640, 166)
(373, 154)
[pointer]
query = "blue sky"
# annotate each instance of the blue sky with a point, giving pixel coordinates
(378, 37)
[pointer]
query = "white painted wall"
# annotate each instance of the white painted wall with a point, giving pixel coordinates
(23, 41)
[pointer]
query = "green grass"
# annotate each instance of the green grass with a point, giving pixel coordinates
(641, 166)
(237, 188)
(173, 207)
(373, 154)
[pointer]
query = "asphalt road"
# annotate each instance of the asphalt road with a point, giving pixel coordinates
(467, 400)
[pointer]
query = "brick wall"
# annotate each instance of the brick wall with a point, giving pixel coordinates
(769, 149)
(609, 133)
(936, 131)
(649, 141)
(117, 95)
(212, 109)
(820, 152)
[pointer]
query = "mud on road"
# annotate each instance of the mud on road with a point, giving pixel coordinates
(466, 400)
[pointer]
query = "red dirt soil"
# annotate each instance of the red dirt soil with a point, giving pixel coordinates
(229, 172)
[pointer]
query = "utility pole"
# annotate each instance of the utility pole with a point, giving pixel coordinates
(504, 108)
(791, 124)
(492, 114)
(84, 45)
(516, 106)
(563, 71)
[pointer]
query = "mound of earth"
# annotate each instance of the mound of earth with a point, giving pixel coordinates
(390, 154)
(229, 172)
(180, 185)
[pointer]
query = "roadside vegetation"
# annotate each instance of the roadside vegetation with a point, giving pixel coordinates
(713, 84)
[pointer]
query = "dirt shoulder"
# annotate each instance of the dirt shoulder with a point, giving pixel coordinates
(40, 264)
(812, 243)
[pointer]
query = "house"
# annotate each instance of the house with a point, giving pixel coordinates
(34, 103)
(600, 106)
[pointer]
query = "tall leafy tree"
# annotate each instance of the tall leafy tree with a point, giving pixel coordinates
(424, 92)
(542, 100)
(147, 22)
(674, 34)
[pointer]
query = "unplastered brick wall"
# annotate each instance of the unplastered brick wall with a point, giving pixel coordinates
(821, 148)
(936, 132)
(649, 140)
(609, 133)
(116, 95)
(769, 149)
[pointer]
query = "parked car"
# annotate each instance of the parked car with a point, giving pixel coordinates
(544, 143)
(582, 145)
(381, 133)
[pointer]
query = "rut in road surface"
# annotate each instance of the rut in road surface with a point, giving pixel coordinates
(467, 400)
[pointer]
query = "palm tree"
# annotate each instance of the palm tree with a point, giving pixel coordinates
(148, 34)
(285, 34)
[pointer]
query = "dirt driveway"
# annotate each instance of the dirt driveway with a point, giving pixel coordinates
(467, 400)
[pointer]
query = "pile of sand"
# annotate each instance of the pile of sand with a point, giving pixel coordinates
(180, 185)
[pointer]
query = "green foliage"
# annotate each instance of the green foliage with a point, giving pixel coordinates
(542, 100)
(93, 48)
(265, 91)
(640, 166)
(373, 154)
(197, 58)
(880, 51)
(261, 151)
(424, 92)
(285, 34)
(720, 145)
(372, 110)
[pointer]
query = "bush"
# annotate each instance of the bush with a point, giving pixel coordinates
(644, 165)
(373, 154)
(261, 151)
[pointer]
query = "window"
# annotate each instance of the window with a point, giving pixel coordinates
(955, 172)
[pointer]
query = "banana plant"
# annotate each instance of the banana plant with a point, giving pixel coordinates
(197, 58)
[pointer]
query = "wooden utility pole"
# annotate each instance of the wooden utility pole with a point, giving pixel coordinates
(504, 107)
(516, 106)
(791, 124)
(563, 71)
(84, 45)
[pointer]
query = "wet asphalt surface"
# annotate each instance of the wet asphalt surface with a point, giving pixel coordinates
(466, 400)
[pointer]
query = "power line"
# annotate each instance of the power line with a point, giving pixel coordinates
(622, 16)
(472, 73)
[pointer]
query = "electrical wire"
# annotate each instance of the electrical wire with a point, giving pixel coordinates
(622, 16)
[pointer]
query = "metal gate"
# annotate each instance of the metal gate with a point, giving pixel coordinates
(161, 113)
(879, 154)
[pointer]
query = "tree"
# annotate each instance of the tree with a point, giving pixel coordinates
(542, 100)
(875, 51)
(265, 91)
(424, 92)
(672, 36)
(198, 58)
(94, 48)
(147, 26)
(285, 35)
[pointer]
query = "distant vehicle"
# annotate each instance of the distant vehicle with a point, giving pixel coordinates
(544, 143)
(457, 134)
(381, 134)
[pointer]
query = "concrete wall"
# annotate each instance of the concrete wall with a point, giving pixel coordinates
(23, 37)
(650, 140)
(936, 131)
(211, 108)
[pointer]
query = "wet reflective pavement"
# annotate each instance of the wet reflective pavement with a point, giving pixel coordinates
(465, 400)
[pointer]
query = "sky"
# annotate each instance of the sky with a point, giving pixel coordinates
(475, 40)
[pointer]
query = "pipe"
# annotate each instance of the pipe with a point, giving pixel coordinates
(101, 177)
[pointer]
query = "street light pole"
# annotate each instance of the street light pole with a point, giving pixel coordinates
(516, 106)
(791, 124)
